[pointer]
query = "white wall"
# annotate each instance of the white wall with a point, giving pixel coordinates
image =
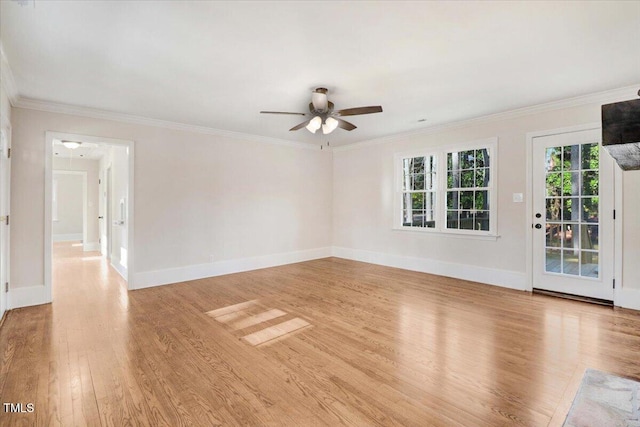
(363, 197)
(91, 167)
(200, 199)
(70, 219)
(205, 204)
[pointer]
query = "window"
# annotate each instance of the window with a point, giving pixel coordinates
(418, 191)
(449, 190)
(468, 177)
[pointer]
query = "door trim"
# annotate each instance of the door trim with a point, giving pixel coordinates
(5, 297)
(617, 224)
(48, 179)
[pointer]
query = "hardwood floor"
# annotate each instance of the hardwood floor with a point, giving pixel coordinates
(325, 342)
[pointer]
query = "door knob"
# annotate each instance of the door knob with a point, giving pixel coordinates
(538, 226)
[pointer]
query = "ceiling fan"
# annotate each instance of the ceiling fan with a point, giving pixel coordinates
(322, 115)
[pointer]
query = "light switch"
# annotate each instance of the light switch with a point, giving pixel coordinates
(518, 198)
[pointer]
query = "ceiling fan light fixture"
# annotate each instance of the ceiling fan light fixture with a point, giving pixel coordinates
(72, 145)
(324, 115)
(314, 124)
(319, 100)
(329, 125)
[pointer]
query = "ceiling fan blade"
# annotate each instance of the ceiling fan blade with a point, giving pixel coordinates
(301, 125)
(343, 124)
(359, 110)
(282, 112)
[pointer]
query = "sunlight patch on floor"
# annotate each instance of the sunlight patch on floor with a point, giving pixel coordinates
(218, 313)
(276, 332)
(243, 316)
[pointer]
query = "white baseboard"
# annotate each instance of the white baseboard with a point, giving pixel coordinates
(91, 247)
(491, 276)
(148, 279)
(66, 237)
(627, 298)
(117, 266)
(26, 296)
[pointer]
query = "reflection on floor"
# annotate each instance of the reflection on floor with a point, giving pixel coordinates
(243, 316)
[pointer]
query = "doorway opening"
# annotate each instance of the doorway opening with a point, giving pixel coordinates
(88, 207)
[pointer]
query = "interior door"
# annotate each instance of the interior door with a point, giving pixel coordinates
(5, 176)
(573, 235)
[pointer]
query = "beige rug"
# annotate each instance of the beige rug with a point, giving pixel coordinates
(605, 400)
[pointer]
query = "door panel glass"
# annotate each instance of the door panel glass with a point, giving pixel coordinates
(589, 264)
(554, 208)
(592, 234)
(570, 262)
(553, 159)
(554, 235)
(570, 182)
(572, 210)
(590, 183)
(554, 184)
(590, 209)
(569, 236)
(590, 156)
(553, 261)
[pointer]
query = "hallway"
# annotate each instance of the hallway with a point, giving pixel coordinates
(56, 343)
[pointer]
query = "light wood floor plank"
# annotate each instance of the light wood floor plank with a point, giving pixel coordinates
(383, 347)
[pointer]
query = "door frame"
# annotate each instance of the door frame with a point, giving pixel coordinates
(108, 209)
(50, 136)
(617, 203)
(5, 181)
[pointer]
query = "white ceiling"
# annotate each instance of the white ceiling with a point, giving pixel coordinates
(88, 151)
(217, 64)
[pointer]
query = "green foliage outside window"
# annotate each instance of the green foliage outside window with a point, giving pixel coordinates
(468, 190)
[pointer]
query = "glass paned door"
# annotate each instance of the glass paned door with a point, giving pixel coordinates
(573, 215)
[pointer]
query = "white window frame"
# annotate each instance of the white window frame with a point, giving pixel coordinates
(440, 154)
(436, 184)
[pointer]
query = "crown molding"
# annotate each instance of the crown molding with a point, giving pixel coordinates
(620, 94)
(53, 107)
(7, 78)
(615, 95)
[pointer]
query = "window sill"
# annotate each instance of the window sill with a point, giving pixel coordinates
(489, 237)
